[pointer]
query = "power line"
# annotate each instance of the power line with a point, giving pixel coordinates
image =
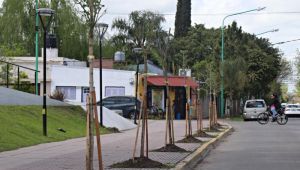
(221, 14)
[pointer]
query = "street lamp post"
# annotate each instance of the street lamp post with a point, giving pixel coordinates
(36, 47)
(273, 30)
(102, 28)
(283, 42)
(136, 51)
(222, 54)
(45, 15)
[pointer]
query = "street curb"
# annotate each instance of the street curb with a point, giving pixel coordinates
(191, 161)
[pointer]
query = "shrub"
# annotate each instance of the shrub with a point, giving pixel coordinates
(58, 95)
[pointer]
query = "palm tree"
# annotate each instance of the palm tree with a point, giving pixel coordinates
(139, 29)
(234, 77)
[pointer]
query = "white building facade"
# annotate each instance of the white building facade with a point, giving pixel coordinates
(74, 82)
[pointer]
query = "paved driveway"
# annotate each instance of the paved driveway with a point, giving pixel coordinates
(257, 147)
(15, 97)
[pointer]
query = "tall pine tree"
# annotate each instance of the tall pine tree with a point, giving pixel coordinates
(183, 18)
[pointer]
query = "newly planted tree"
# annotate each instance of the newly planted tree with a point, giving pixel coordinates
(91, 12)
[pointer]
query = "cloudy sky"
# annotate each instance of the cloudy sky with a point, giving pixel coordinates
(279, 14)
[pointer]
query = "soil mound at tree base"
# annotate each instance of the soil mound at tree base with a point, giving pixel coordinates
(189, 139)
(140, 162)
(203, 134)
(170, 148)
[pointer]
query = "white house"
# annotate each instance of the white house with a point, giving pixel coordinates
(74, 82)
(52, 59)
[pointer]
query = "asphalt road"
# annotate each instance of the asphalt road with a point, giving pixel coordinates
(257, 147)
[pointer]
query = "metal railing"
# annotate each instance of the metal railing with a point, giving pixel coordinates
(18, 77)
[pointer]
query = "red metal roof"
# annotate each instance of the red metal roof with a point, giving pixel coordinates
(175, 81)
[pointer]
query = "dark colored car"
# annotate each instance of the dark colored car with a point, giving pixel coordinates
(127, 104)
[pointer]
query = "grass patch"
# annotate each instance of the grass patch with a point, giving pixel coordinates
(21, 126)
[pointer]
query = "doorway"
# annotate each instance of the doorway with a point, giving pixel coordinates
(180, 102)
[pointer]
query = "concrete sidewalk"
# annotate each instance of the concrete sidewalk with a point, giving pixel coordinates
(117, 147)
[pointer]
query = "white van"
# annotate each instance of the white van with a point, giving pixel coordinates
(254, 107)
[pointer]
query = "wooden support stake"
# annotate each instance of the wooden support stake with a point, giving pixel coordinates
(137, 133)
(172, 123)
(166, 133)
(97, 132)
(147, 140)
(201, 117)
(186, 118)
(89, 159)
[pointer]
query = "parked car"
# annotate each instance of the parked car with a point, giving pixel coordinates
(253, 107)
(292, 106)
(292, 109)
(283, 105)
(125, 105)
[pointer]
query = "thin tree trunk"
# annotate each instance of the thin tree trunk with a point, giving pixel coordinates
(215, 110)
(144, 108)
(198, 115)
(201, 116)
(210, 111)
(89, 138)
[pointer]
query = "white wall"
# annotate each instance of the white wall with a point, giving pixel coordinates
(79, 77)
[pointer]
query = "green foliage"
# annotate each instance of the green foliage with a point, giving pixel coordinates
(91, 13)
(140, 30)
(298, 89)
(234, 76)
(183, 18)
(17, 27)
(3, 71)
(70, 31)
(285, 69)
(12, 50)
(284, 93)
(58, 95)
(21, 126)
(297, 57)
(25, 85)
(251, 63)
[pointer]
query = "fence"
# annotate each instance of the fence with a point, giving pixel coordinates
(7, 76)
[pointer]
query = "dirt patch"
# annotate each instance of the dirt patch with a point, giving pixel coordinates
(203, 134)
(213, 129)
(218, 125)
(189, 139)
(139, 163)
(170, 148)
